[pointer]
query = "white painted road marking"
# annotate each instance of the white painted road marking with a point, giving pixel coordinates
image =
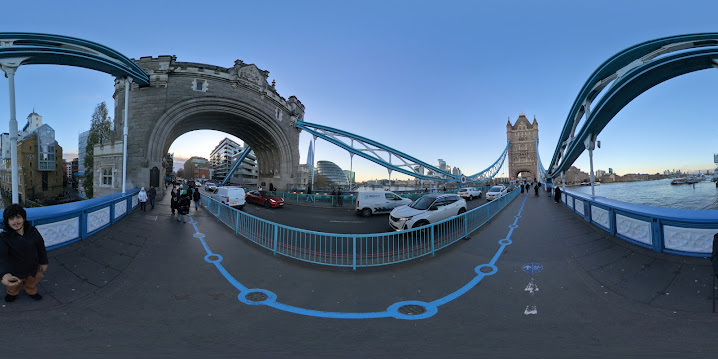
(347, 221)
(531, 287)
(530, 310)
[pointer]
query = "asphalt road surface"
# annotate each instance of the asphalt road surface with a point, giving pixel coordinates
(328, 219)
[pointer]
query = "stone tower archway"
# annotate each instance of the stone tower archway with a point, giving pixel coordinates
(522, 150)
(184, 97)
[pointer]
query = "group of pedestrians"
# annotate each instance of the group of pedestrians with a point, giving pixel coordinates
(337, 198)
(181, 200)
(143, 196)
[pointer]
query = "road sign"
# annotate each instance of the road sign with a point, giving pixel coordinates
(532, 267)
(463, 179)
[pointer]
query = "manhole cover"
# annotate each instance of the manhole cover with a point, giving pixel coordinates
(486, 269)
(412, 309)
(257, 296)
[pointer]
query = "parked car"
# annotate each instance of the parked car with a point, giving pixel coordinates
(209, 186)
(496, 192)
(373, 202)
(428, 209)
(231, 196)
(262, 198)
(469, 193)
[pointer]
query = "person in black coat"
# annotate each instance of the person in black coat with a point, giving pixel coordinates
(174, 201)
(196, 197)
(557, 194)
(151, 194)
(183, 208)
(23, 258)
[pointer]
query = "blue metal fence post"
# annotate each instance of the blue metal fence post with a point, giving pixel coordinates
(236, 224)
(276, 233)
(657, 237)
(432, 240)
(466, 225)
(354, 251)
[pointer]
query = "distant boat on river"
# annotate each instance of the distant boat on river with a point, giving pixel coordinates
(689, 180)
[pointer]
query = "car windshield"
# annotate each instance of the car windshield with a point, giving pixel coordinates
(464, 190)
(496, 189)
(423, 202)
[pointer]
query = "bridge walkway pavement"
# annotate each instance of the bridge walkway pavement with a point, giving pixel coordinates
(142, 288)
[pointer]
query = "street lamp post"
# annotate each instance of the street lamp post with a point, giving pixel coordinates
(128, 81)
(9, 66)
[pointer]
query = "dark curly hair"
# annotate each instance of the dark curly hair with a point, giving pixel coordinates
(12, 211)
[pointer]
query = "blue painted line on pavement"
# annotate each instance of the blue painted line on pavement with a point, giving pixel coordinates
(392, 311)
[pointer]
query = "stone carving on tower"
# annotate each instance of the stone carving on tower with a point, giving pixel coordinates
(522, 150)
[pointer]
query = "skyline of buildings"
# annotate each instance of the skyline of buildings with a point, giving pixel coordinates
(40, 164)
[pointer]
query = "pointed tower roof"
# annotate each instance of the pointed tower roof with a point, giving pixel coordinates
(310, 155)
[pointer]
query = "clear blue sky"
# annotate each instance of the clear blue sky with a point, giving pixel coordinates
(432, 79)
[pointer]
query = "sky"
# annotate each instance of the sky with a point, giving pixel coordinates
(434, 80)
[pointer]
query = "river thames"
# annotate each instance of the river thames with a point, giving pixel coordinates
(658, 193)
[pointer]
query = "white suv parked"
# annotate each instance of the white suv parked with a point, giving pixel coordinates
(430, 208)
(469, 193)
(496, 192)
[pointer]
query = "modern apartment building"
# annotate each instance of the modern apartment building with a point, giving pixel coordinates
(40, 168)
(197, 168)
(223, 157)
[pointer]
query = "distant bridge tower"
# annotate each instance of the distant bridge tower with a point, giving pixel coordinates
(522, 151)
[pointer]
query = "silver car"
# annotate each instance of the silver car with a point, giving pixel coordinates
(496, 192)
(469, 193)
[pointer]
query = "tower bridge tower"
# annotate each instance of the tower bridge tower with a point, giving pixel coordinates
(522, 150)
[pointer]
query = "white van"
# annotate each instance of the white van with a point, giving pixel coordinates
(231, 196)
(372, 202)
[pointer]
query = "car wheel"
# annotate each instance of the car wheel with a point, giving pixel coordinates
(461, 211)
(366, 212)
(267, 204)
(471, 198)
(421, 223)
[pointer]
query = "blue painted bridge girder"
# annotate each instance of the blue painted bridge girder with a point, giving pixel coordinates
(629, 73)
(372, 150)
(236, 165)
(22, 48)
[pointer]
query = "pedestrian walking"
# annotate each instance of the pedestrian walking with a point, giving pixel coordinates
(183, 208)
(142, 196)
(340, 197)
(334, 195)
(151, 195)
(557, 194)
(174, 201)
(310, 197)
(196, 197)
(23, 258)
(536, 187)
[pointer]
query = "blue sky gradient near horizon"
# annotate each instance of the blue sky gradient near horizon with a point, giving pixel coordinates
(431, 81)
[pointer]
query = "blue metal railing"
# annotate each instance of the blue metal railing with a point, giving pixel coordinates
(355, 250)
(67, 223)
(679, 231)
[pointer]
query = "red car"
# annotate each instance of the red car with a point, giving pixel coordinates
(261, 198)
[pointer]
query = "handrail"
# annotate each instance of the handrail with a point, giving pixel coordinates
(355, 250)
(687, 232)
(67, 223)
